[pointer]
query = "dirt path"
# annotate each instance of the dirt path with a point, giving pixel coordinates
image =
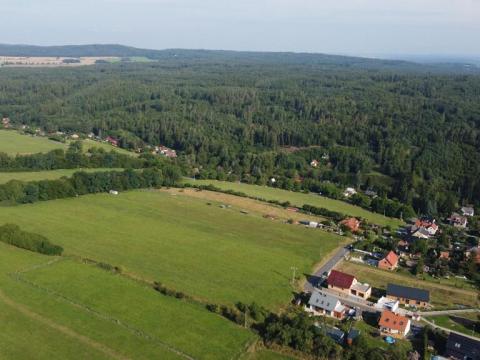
(61, 328)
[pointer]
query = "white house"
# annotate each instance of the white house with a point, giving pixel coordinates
(349, 191)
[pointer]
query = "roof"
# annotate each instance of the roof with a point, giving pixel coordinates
(351, 223)
(324, 301)
(340, 279)
(335, 333)
(461, 347)
(408, 292)
(391, 258)
(393, 321)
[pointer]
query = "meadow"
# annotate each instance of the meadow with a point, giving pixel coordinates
(214, 254)
(68, 309)
(13, 143)
(300, 199)
(44, 175)
(441, 295)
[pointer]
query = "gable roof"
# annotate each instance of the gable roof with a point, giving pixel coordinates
(323, 300)
(461, 347)
(340, 279)
(408, 292)
(391, 258)
(393, 321)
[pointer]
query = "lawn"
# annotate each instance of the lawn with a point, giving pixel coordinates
(67, 309)
(43, 175)
(88, 144)
(300, 199)
(217, 255)
(441, 295)
(13, 143)
(464, 323)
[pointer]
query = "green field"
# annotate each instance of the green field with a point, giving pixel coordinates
(300, 199)
(67, 309)
(13, 143)
(464, 323)
(44, 175)
(214, 254)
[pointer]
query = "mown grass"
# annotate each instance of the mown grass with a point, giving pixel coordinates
(44, 175)
(217, 255)
(299, 199)
(441, 295)
(13, 143)
(464, 323)
(67, 310)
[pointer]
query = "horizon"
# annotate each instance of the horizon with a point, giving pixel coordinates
(364, 28)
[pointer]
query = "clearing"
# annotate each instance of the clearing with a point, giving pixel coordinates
(13, 143)
(300, 199)
(440, 295)
(217, 255)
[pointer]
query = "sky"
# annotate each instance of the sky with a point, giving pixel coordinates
(382, 28)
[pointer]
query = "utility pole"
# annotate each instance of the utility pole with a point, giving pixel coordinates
(294, 270)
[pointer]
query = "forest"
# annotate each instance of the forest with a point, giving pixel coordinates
(409, 132)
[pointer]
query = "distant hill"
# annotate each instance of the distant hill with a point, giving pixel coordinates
(222, 56)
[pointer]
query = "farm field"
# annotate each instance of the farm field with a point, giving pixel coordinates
(253, 207)
(13, 143)
(45, 175)
(441, 295)
(214, 254)
(70, 309)
(300, 199)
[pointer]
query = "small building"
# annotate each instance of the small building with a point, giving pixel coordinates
(426, 226)
(349, 191)
(444, 255)
(394, 324)
(351, 223)
(352, 335)
(314, 163)
(475, 253)
(408, 295)
(458, 221)
(385, 303)
(462, 348)
(371, 193)
(389, 262)
(322, 303)
(113, 192)
(112, 141)
(335, 334)
(6, 122)
(348, 284)
(74, 136)
(467, 211)
(421, 233)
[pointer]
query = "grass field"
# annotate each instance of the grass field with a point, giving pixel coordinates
(67, 309)
(43, 175)
(299, 199)
(253, 207)
(13, 143)
(440, 295)
(463, 323)
(215, 254)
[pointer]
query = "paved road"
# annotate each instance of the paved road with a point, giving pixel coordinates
(313, 279)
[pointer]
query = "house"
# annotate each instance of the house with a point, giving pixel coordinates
(349, 191)
(112, 141)
(428, 226)
(314, 163)
(113, 192)
(444, 255)
(348, 284)
(408, 295)
(462, 348)
(394, 324)
(352, 335)
(467, 211)
(335, 334)
(421, 233)
(371, 193)
(351, 223)
(389, 262)
(321, 303)
(475, 253)
(387, 304)
(165, 151)
(6, 122)
(74, 136)
(458, 220)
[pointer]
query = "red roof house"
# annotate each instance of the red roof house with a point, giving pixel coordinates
(338, 279)
(352, 224)
(112, 141)
(389, 262)
(394, 324)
